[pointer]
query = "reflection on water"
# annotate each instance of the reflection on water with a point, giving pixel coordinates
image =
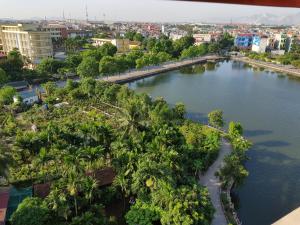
(210, 66)
(195, 69)
(267, 104)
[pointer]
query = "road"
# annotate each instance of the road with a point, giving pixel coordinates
(213, 184)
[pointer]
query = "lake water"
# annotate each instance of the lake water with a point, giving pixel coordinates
(268, 106)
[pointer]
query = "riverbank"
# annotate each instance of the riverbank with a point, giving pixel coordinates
(288, 69)
(140, 74)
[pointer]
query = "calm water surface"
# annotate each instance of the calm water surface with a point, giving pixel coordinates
(268, 106)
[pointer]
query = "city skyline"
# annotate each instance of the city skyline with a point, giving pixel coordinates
(136, 10)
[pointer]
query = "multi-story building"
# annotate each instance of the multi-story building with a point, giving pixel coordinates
(79, 33)
(202, 38)
(244, 41)
(260, 44)
(32, 43)
(283, 42)
(57, 31)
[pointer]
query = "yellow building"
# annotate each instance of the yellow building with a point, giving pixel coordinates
(133, 45)
(31, 42)
(123, 45)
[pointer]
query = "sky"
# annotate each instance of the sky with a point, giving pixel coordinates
(134, 10)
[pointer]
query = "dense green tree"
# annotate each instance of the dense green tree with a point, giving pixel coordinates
(73, 45)
(215, 118)
(130, 35)
(138, 37)
(143, 214)
(235, 129)
(88, 67)
(49, 66)
(108, 65)
(233, 170)
(181, 44)
(31, 211)
(73, 60)
(13, 64)
(108, 49)
(163, 57)
(6, 95)
(3, 77)
(49, 88)
(214, 48)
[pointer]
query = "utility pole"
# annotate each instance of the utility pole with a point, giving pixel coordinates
(86, 14)
(64, 19)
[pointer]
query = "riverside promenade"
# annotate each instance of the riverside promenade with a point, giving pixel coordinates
(288, 69)
(213, 184)
(154, 70)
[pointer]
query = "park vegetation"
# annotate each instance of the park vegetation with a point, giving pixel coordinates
(155, 152)
(86, 60)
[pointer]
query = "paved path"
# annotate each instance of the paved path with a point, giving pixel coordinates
(212, 183)
(154, 70)
(289, 69)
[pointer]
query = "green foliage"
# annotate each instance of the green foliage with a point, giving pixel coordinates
(155, 152)
(215, 118)
(73, 45)
(186, 207)
(143, 214)
(49, 87)
(6, 95)
(13, 64)
(31, 211)
(108, 49)
(3, 77)
(234, 170)
(110, 65)
(181, 44)
(88, 67)
(73, 60)
(49, 66)
(235, 129)
(194, 51)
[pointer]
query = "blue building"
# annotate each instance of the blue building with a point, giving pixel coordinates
(244, 41)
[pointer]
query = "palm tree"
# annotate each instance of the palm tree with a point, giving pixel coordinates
(5, 160)
(89, 186)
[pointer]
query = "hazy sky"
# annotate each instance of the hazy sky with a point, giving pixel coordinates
(133, 10)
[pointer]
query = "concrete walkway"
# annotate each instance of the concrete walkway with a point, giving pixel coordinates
(212, 183)
(154, 70)
(289, 69)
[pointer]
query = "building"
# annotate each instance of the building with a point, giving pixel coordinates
(202, 38)
(28, 97)
(79, 33)
(283, 42)
(260, 44)
(19, 85)
(32, 43)
(56, 31)
(243, 41)
(123, 45)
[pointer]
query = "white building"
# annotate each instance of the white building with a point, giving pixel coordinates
(202, 38)
(260, 44)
